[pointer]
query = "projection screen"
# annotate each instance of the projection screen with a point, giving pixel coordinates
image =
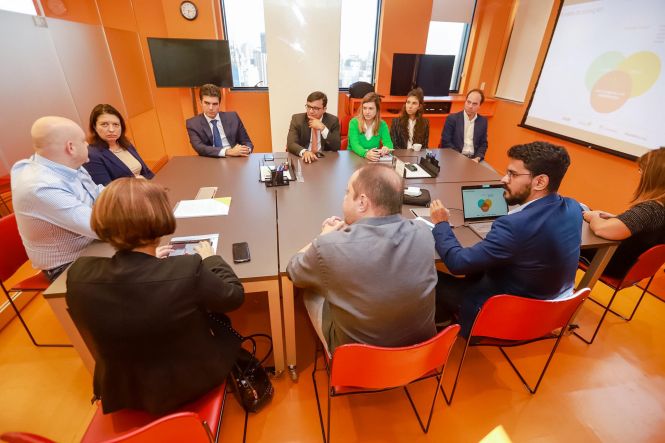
(602, 81)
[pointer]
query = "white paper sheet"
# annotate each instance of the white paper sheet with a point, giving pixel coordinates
(208, 207)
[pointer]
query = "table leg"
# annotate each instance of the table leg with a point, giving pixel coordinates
(274, 306)
(59, 308)
(597, 266)
(289, 326)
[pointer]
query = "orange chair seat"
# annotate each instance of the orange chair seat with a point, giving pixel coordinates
(37, 282)
(612, 282)
(107, 426)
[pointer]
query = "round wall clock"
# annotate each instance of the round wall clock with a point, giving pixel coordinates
(189, 10)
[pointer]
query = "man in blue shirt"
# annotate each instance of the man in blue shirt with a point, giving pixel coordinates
(53, 195)
(531, 252)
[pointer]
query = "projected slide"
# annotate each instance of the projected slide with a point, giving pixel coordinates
(602, 82)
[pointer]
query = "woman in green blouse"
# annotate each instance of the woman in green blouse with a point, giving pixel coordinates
(367, 132)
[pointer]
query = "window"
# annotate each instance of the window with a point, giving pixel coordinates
(246, 32)
(449, 38)
(22, 6)
(358, 39)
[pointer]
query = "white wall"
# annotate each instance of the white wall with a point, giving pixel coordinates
(302, 38)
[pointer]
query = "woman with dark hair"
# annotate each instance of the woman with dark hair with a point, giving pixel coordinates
(110, 153)
(410, 127)
(642, 226)
(145, 315)
(367, 132)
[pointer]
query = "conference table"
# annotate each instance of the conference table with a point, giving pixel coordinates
(278, 221)
(302, 207)
(252, 218)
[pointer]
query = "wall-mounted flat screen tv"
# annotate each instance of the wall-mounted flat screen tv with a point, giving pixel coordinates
(187, 63)
(430, 72)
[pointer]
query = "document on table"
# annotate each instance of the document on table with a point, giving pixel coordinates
(208, 207)
(185, 245)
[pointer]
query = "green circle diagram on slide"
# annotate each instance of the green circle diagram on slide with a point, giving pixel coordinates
(612, 78)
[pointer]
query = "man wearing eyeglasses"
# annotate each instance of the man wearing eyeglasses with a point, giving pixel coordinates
(313, 131)
(530, 252)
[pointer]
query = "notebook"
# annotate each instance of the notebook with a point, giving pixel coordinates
(482, 204)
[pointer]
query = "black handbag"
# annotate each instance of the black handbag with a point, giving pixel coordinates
(249, 378)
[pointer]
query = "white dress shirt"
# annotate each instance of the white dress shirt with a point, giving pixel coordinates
(53, 204)
(469, 125)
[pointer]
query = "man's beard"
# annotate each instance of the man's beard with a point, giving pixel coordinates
(517, 198)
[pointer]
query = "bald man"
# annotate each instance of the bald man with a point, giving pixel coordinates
(369, 278)
(53, 195)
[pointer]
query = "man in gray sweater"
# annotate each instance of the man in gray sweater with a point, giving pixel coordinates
(369, 278)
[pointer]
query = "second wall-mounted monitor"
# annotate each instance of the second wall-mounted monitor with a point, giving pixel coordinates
(430, 72)
(188, 63)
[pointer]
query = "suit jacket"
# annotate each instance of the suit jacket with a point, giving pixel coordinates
(377, 277)
(200, 134)
(531, 253)
(145, 320)
(452, 135)
(104, 166)
(400, 135)
(300, 134)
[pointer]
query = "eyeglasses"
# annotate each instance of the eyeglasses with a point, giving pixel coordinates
(511, 174)
(313, 108)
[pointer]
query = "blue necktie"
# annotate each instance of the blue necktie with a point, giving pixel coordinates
(216, 137)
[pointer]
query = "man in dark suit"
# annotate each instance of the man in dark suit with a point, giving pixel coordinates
(214, 133)
(531, 252)
(314, 130)
(466, 131)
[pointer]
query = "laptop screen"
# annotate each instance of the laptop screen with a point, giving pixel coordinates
(483, 202)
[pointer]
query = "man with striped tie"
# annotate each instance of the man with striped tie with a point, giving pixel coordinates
(314, 130)
(53, 195)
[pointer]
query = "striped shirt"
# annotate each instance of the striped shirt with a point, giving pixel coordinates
(53, 204)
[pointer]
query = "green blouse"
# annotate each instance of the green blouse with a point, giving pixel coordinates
(359, 144)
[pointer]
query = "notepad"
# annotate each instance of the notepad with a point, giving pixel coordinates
(209, 207)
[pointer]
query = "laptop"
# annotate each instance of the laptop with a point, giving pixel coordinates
(482, 204)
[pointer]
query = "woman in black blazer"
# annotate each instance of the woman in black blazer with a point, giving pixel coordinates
(410, 127)
(110, 153)
(145, 315)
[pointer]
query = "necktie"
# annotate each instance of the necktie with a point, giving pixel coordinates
(315, 140)
(216, 137)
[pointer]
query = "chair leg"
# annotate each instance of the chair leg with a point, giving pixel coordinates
(542, 374)
(324, 434)
(25, 326)
(425, 428)
(602, 318)
(449, 400)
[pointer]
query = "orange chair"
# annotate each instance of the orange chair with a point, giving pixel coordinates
(359, 368)
(507, 320)
(24, 437)
(5, 187)
(344, 132)
(12, 257)
(191, 423)
(646, 266)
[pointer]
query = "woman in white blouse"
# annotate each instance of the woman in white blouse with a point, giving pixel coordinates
(110, 154)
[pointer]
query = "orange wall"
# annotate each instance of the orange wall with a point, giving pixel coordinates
(404, 27)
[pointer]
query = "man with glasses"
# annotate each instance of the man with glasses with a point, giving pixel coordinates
(313, 131)
(217, 134)
(530, 252)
